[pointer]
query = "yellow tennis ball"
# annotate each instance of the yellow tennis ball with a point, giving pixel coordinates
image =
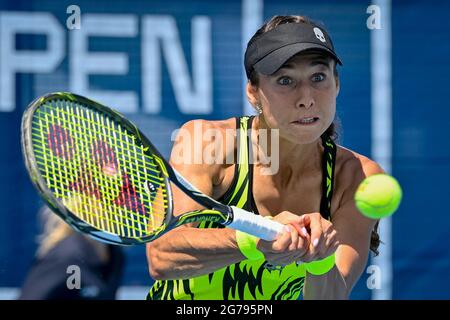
(378, 196)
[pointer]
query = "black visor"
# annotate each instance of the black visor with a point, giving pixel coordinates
(269, 51)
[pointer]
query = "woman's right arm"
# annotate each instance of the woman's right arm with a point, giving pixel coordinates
(187, 251)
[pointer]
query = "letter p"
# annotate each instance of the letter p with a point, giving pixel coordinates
(13, 61)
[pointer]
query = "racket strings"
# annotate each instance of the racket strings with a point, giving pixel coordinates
(79, 130)
(83, 186)
(147, 162)
(127, 196)
(98, 170)
(86, 200)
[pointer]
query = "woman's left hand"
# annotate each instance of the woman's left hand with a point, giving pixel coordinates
(323, 237)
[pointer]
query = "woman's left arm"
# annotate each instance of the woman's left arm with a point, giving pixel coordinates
(353, 233)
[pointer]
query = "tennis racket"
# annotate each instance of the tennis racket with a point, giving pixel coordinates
(99, 173)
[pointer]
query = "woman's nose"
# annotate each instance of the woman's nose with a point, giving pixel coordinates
(305, 99)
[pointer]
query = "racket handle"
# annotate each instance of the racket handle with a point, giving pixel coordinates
(255, 224)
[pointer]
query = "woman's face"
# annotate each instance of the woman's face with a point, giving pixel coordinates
(300, 98)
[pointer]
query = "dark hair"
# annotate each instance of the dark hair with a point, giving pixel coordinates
(333, 129)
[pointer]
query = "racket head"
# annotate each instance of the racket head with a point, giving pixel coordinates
(95, 169)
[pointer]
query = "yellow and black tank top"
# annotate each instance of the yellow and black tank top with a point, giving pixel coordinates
(248, 280)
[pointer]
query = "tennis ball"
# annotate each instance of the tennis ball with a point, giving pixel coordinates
(378, 196)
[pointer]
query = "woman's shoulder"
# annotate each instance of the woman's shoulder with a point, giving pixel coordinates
(202, 125)
(209, 143)
(355, 162)
(351, 168)
(206, 148)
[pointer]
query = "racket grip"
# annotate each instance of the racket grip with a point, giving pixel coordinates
(255, 224)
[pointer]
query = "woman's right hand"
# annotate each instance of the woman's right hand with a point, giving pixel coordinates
(291, 245)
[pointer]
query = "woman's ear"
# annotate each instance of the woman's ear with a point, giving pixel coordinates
(252, 93)
(338, 85)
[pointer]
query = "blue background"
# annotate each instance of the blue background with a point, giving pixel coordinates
(421, 118)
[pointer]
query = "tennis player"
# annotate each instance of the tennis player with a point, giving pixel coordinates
(293, 83)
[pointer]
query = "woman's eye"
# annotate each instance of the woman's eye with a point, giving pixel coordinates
(285, 81)
(318, 77)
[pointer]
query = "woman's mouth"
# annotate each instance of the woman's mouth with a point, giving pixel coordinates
(306, 121)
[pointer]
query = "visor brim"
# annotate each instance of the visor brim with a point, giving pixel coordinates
(275, 60)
